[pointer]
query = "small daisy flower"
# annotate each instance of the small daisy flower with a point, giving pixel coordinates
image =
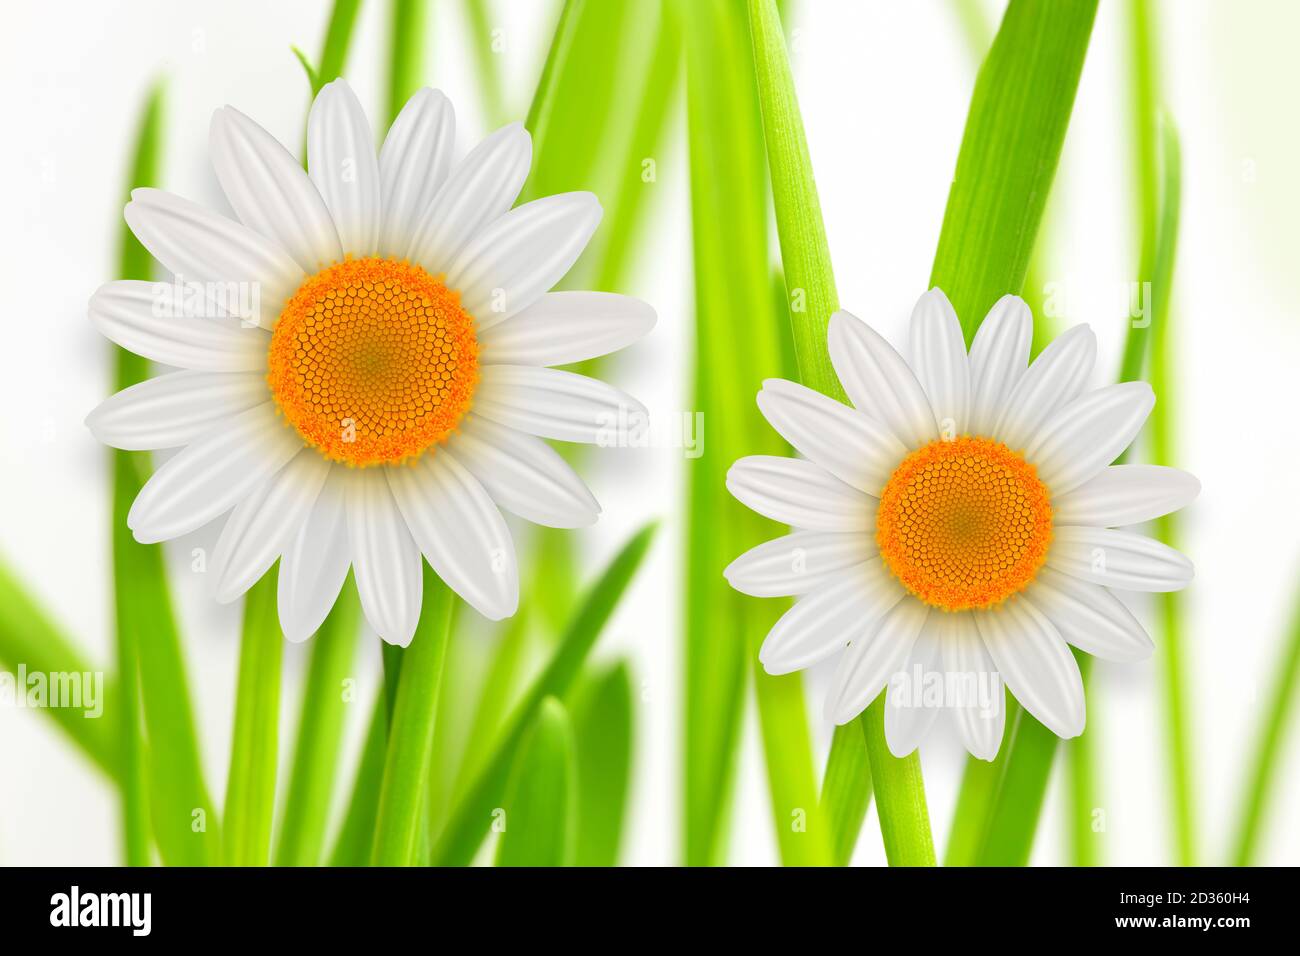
(957, 528)
(364, 362)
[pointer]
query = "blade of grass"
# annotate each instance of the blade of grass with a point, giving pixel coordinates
(805, 257)
(337, 43)
(478, 19)
(352, 847)
(846, 790)
(1010, 149)
(405, 53)
(540, 809)
(250, 788)
(601, 707)
(738, 344)
(320, 734)
(29, 638)
(402, 795)
(468, 823)
(980, 783)
(1261, 782)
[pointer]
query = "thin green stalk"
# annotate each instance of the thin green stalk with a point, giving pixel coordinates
(1082, 793)
(134, 262)
(980, 783)
(254, 751)
(604, 735)
(352, 847)
(468, 823)
(540, 810)
(405, 53)
(810, 281)
(487, 60)
(320, 734)
(1260, 785)
(410, 740)
(338, 40)
(1013, 818)
(846, 790)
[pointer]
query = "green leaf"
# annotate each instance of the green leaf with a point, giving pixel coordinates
(601, 707)
(338, 40)
(405, 52)
(846, 790)
(410, 740)
(352, 848)
(1009, 152)
(539, 810)
(254, 750)
(320, 734)
(487, 62)
(469, 821)
(810, 280)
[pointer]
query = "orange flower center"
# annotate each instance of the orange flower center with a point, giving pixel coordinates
(964, 524)
(373, 361)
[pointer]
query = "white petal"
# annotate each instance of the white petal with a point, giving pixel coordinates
(481, 189)
(876, 654)
(855, 448)
(1057, 377)
(460, 531)
(908, 717)
(565, 327)
(879, 381)
(512, 261)
(556, 404)
(270, 191)
(252, 274)
(384, 557)
(1126, 494)
(1036, 664)
(1119, 559)
(342, 163)
(523, 474)
(999, 355)
(979, 706)
(315, 564)
(799, 493)
(265, 523)
(210, 476)
(172, 410)
(1089, 617)
(413, 164)
(797, 563)
(1088, 434)
(139, 317)
(939, 360)
(824, 621)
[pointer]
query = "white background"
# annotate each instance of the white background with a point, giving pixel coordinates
(884, 89)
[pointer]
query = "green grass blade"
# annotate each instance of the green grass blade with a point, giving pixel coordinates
(254, 751)
(468, 823)
(846, 790)
(320, 734)
(352, 847)
(601, 707)
(487, 60)
(738, 344)
(1261, 783)
(980, 783)
(402, 796)
(540, 808)
(338, 40)
(810, 281)
(1010, 149)
(1082, 796)
(29, 638)
(405, 53)
(1013, 819)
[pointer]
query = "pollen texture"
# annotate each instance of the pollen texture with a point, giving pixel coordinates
(373, 361)
(964, 524)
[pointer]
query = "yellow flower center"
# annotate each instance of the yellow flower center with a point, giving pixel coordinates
(373, 361)
(964, 524)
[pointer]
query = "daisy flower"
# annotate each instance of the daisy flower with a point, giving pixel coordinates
(957, 528)
(363, 360)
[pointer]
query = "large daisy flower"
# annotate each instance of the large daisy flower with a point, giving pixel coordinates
(364, 362)
(958, 528)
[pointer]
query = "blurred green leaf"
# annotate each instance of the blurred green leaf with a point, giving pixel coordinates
(337, 42)
(601, 708)
(320, 734)
(846, 789)
(539, 810)
(254, 750)
(468, 822)
(487, 60)
(406, 30)
(352, 847)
